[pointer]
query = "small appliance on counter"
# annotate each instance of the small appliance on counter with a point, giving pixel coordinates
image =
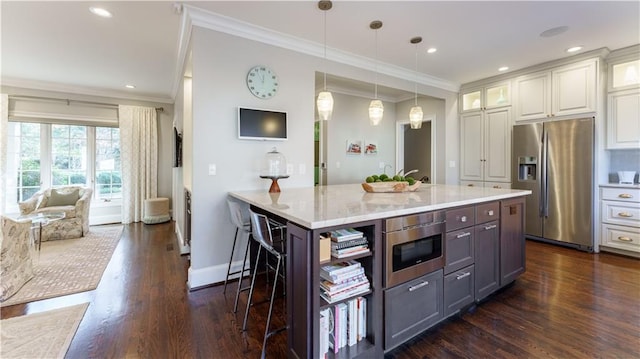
(626, 177)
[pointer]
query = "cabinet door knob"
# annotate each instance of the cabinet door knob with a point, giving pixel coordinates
(463, 219)
(625, 195)
(625, 239)
(625, 214)
(490, 213)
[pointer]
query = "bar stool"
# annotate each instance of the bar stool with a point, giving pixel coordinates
(242, 227)
(262, 229)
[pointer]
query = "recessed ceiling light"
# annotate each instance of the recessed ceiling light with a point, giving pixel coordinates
(503, 68)
(554, 31)
(431, 50)
(130, 86)
(574, 49)
(100, 12)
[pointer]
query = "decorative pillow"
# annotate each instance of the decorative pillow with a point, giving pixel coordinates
(63, 199)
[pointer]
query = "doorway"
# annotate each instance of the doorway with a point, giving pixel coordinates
(415, 150)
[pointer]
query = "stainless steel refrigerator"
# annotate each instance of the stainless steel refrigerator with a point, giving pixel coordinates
(555, 161)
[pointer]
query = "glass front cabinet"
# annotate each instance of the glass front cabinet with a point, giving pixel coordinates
(486, 97)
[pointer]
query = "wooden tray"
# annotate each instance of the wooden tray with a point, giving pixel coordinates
(393, 186)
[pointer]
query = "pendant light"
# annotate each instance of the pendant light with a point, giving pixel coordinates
(376, 109)
(415, 114)
(325, 99)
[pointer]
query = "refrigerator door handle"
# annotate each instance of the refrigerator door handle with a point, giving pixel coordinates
(544, 193)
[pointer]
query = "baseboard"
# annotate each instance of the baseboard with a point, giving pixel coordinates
(184, 248)
(207, 276)
(106, 219)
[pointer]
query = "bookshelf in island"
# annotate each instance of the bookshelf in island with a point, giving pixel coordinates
(321, 293)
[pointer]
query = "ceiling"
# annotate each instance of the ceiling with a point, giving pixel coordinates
(61, 45)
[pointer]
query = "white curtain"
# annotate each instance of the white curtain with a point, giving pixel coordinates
(139, 156)
(4, 130)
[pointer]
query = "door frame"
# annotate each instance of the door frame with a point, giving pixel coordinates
(400, 144)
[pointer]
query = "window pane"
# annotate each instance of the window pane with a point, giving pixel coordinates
(23, 162)
(59, 131)
(108, 163)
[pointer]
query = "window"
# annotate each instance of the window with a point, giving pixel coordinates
(108, 176)
(52, 155)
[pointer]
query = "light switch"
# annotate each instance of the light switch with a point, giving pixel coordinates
(302, 168)
(289, 169)
(338, 164)
(452, 164)
(212, 169)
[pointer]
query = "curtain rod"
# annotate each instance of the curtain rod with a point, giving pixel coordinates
(68, 101)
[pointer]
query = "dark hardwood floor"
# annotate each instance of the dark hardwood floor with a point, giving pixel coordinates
(568, 304)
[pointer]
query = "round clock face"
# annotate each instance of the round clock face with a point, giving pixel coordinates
(262, 82)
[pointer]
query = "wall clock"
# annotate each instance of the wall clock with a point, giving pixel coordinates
(262, 82)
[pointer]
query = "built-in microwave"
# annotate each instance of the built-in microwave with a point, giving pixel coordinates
(414, 246)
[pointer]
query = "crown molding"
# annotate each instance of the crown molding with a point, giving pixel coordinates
(213, 21)
(80, 90)
(184, 39)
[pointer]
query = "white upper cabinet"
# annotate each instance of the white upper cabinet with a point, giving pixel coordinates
(486, 145)
(486, 97)
(623, 117)
(566, 90)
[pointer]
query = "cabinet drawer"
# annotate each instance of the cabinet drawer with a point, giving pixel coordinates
(460, 218)
(620, 194)
(487, 212)
(623, 213)
(458, 250)
(458, 290)
(626, 238)
(412, 307)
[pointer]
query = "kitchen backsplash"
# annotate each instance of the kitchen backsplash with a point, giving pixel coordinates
(623, 160)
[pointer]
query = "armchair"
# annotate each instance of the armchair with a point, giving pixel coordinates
(16, 266)
(74, 204)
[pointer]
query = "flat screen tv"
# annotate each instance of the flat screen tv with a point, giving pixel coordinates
(255, 124)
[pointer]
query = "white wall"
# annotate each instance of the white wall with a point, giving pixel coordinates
(350, 121)
(220, 63)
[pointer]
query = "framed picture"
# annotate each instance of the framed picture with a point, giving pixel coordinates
(354, 147)
(370, 148)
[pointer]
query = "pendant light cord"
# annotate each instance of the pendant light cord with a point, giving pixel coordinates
(415, 87)
(325, 50)
(376, 69)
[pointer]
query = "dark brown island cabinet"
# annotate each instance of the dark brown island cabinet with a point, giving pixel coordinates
(483, 248)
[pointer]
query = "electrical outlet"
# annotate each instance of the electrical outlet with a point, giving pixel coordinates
(452, 164)
(302, 168)
(289, 169)
(338, 164)
(381, 165)
(212, 169)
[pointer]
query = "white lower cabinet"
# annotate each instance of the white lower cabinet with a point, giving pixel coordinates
(620, 219)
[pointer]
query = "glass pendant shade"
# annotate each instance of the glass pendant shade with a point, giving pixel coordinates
(376, 110)
(274, 165)
(325, 105)
(415, 117)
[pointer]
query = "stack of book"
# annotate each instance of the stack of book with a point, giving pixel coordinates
(342, 325)
(347, 242)
(342, 280)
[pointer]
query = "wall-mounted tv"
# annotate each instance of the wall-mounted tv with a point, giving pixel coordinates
(256, 124)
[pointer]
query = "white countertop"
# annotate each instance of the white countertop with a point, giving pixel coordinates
(325, 206)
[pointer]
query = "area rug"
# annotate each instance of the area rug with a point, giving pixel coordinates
(40, 335)
(69, 265)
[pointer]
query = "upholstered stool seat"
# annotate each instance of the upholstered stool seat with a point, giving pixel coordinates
(156, 210)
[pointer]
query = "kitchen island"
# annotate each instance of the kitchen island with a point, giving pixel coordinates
(315, 210)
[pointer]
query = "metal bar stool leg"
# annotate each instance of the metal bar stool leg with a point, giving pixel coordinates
(240, 288)
(253, 281)
(267, 334)
(233, 249)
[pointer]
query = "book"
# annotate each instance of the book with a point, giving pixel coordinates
(324, 333)
(342, 276)
(331, 287)
(350, 252)
(341, 267)
(351, 292)
(352, 336)
(342, 309)
(350, 243)
(362, 315)
(334, 329)
(345, 234)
